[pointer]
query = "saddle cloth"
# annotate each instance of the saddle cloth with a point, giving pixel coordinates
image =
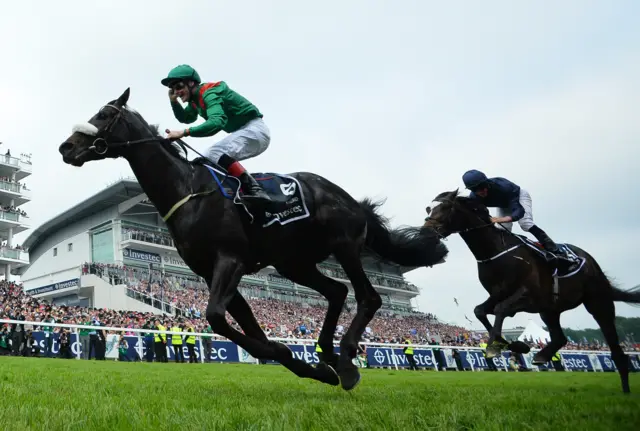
(287, 206)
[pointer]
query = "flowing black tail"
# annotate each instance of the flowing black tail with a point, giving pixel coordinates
(630, 296)
(406, 246)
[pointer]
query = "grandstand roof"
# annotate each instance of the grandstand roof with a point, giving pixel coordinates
(114, 194)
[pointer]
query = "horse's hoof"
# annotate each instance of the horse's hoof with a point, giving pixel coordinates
(539, 359)
(327, 374)
(519, 347)
(492, 351)
(349, 377)
(330, 359)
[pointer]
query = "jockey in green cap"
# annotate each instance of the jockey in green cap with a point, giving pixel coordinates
(223, 109)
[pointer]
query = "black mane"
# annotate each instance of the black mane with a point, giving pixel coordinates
(174, 148)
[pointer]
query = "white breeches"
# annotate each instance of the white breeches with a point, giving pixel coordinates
(526, 222)
(245, 143)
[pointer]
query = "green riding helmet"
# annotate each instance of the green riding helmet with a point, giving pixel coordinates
(183, 72)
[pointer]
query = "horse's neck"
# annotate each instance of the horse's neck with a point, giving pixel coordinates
(484, 243)
(163, 177)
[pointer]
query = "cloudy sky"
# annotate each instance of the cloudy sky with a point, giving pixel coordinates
(387, 99)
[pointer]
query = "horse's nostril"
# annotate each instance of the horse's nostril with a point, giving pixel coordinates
(66, 146)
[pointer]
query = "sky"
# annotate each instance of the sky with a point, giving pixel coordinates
(391, 100)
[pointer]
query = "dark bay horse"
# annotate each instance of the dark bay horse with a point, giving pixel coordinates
(518, 277)
(220, 243)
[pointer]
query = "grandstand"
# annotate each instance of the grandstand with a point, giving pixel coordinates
(113, 251)
(13, 220)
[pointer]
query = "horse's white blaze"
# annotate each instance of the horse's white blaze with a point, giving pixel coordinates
(86, 128)
(431, 206)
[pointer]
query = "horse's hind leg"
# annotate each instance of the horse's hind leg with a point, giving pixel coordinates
(368, 302)
(604, 312)
(223, 294)
(335, 293)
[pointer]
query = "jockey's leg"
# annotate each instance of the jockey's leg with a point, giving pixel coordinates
(247, 142)
(250, 186)
(527, 224)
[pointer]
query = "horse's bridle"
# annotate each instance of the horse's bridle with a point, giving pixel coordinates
(444, 238)
(482, 226)
(100, 145)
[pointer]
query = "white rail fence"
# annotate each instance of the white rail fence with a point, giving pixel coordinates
(377, 354)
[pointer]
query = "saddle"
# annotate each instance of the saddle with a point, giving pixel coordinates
(287, 198)
(564, 264)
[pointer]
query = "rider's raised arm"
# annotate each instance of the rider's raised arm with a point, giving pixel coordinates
(216, 118)
(517, 210)
(184, 115)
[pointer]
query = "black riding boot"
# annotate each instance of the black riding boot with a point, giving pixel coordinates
(250, 187)
(544, 239)
(566, 261)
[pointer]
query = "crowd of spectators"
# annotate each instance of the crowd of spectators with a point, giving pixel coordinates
(160, 238)
(13, 210)
(288, 315)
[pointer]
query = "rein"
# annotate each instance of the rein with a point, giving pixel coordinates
(101, 145)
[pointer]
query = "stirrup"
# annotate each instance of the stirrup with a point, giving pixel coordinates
(258, 195)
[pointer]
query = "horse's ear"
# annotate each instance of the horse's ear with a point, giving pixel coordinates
(123, 99)
(454, 194)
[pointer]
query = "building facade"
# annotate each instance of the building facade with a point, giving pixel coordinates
(13, 219)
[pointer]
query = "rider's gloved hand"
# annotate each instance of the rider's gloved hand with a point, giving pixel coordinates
(172, 95)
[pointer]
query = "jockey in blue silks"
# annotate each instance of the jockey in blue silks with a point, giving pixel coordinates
(513, 203)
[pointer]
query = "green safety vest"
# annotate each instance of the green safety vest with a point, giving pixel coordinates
(318, 349)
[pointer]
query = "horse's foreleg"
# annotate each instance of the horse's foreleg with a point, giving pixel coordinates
(368, 302)
(558, 339)
(223, 295)
(508, 307)
(241, 312)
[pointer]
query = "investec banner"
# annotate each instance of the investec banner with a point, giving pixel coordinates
(55, 286)
(145, 256)
(226, 351)
(174, 261)
(141, 256)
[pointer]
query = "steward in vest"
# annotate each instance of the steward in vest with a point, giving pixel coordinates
(408, 353)
(176, 342)
(191, 343)
(160, 343)
(223, 110)
(207, 343)
(490, 363)
(557, 362)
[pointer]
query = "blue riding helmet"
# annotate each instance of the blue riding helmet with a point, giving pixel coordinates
(473, 178)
